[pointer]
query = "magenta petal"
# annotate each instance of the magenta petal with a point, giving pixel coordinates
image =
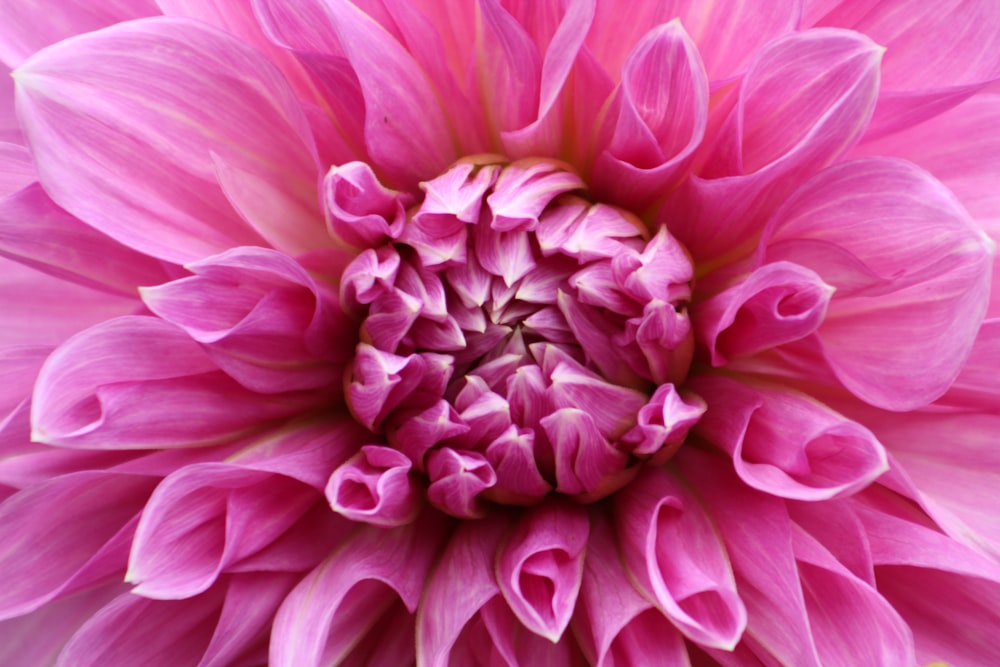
(615, 625)
(17, 169)
(112, 152)
(89, 390)
(375, 486)
(583, 457)
(457, 478)
(461, 584)
(84, 539)
(39, 233)
(676, 558)
(776, 304)
(360, 211)
(205, 517)
(337, 602)
(540, 566)
(786, 444)
(911, 268)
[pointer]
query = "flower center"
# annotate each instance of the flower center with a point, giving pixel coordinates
(517, 340)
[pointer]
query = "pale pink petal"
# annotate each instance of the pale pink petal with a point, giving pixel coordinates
(16, 167)
(540, 566)
(35, 231)
(90, 519)
(338, 601)
(27, 28)
(205, 517)
(936, 55)
(360, 211)
(851, 622)
(655, 121)
(111, 151)
(261, 317)
(38, 309)
(806, 99)
(787, 444)
(776, 304)
(614, 624)
(138, 382)
(10, 131)
(133, 630)
(676, 558)
(374, 486)
(912, 272)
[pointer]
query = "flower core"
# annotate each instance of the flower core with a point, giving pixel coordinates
(516, 340)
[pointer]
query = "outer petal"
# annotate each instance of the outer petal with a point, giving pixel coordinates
(675, 557)
(337, 603)
(10, 132)
(27, 28)
(133, 150)
(138, 382)
(936, 55)
(911, 269)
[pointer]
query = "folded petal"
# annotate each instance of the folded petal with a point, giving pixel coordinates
(912, 272)
(540, 567)
(374, 486)
(787, 444)
(676, 558)
(335, 604)
(139, 382)
(133, 151)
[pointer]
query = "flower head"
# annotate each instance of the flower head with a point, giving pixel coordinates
(496, 332)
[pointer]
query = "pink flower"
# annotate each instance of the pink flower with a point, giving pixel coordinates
(499, 333)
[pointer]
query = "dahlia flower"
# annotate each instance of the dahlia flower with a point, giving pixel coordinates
(499, 332)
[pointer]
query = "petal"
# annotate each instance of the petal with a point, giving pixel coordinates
(10, 131)
(100, 390)
(909, 264)
(776, 304)
(111, 151)
(29, 28)
(457, 479)
(205, 517)
(540, 566)
(16, 167)
(806, 99)
(374, 486)
(675, 557)
(337, 602)
(84, 539)
(360, 211)
(786, 444)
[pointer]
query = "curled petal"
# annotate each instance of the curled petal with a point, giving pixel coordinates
(909, 265)
(104, 389)
(375, 486)
(676, 558)
(360, 211)
(540, 567)
(524, 189)
(136, 157)
(415, 433)
(381, 381)
(787, 444)
(776, 304)
(664, 422)
(584, 459)
(512, 455)
(337, 602)
(457, 479)
(205, 517)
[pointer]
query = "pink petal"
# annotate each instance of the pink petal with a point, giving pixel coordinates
(457, 478)
(675, 557)
(776, 304)
(806, 99)
(35, 231)
(360, 211)
(10, 131)
(935, 56)
(614, 624)
(414, 433)
(135, 630)
(786, 444)
(89, 389)
(921, 280)
(374, 486)
(462, 583)
(17, 169)
(584, 459)
(655, 122)
(110, 150)
(513, 456)
(261, 318)
(405, 130)
(337, 602)
(540, 567)
(84, 539)
(29, 28)
(205, 517)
